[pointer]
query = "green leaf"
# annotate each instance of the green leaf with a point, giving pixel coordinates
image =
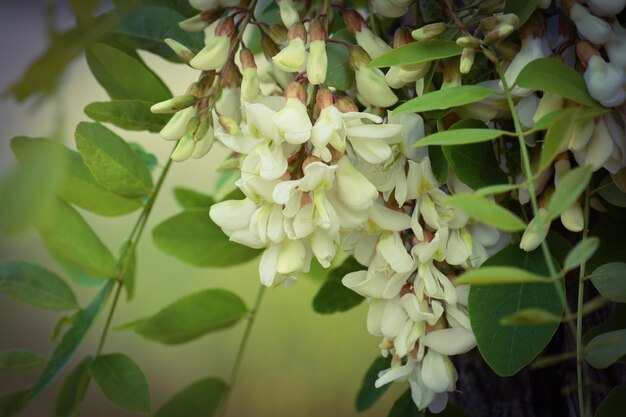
(417, 52)
(122, 381)
(614, 404)
(127, 114)
(68, 236)
(199, 399)
(582, 252)
(12, 403)
(111, 161)
(124, 76)
(190, 199)
(487, 211)
(474, 164)
(368, 394)
(192, 237)
(147, 27)
(332, 296)
(438, 163)
(553, 76)
(445, 99)
(530, 316)
(19, 361)
(193, 316)
(129, 272)
(610, 281)
(460, 137)
(148, 158)
(604, 350)
(498, 275)
(73, 390)
(63, 352)
(34, 285)
(555, 139)
(570, 187)
(28, 191)
(338, 74)
(522, 8)
(77, 185)
(507, 349)
(615, 321)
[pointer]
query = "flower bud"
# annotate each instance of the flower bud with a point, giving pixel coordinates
(492, 22)
(215, 53)
(250, 85)
(186, 145)
(605, 82)
(297, 91)
(490, 6)
(606, 8)
(278, 33)
(549, 102)
(599, 149)
(288, 13)
(354, 21)
(204, 5)
(580, 133)
(573, 218)
(370, 82)
(430, 31)
(467, 60)
(401, 37)
(372, 44)
(229, 103)
(345, 105)
(197, 23)
(584, 52)
(499, 33)
(173, 104)
(451, 73)
(536, 231)
(204, 138)
(292, 57)
(387, 8)
(174, 129)
(508, 50)
(230, 77)
(324, 98)
(317, 61)
(468, 42)
(589, 26)
(182, 52)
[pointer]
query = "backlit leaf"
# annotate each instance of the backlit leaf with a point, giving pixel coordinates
(487, 211)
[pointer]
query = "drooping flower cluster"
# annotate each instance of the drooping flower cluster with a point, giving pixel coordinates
(321, 177)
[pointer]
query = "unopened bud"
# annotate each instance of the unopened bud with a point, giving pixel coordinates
(202, 129)
(278, 33)
(204, 83)
(467, 60)
(229, 164)
(193, 24)
(490, 6)
(317, 62)
(508, 50)
(250, 84)
(489, 55)
(354, 21)
(246, 57)
(229, 125)
(173, 104)
(317, 31)
(297, 31)
(230, 77)
(269, 47)
(590, 27)
(297, 91)
(584, 52)
(324, 98)
(358, 57)
(451, 73)
(225, 27)
(468, 42)
(288, 13)
(402, 37)
(182, 52)
(536, 231)
(492, 22)
(499, 33)
(430, 31)
(345, 105)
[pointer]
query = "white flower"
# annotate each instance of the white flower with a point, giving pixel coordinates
(213, 55)
(605, 82)
(590, 27)
(373, 45)
(536, 231)
(288, 13)
(330, 129)
(606, 8)
(317, 63)
(599, 149)
(292, 57)
(412, 131)
(371, 85)
(371, 141)
(249, 85)
(174, 129)
(292, 122)
(616, 46)
(532, 49)
(229, 103)
(388, 8)
(283, 262)
(355, 190)
(234, 216)
(451, 341)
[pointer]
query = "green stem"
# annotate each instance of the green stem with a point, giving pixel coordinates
(533, 192)
(579, 315)
(242, 348)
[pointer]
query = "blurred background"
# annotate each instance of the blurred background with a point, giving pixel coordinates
(298, 363)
